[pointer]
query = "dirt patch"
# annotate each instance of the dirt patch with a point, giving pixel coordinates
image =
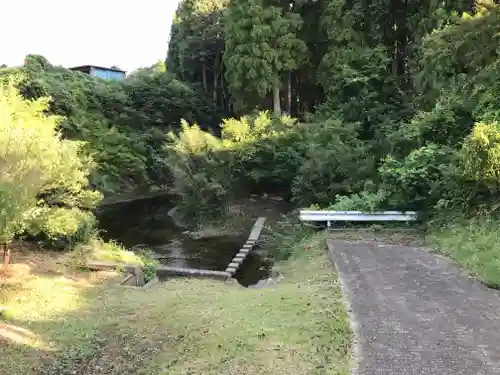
(242, 214)
(28, 258)
(409, 237)
(269, 206)
(29, 261)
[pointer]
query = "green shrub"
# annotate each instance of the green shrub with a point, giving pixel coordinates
(38, 168)
(418, 181)
(149, 264)
(201, 179)
(97, 249)
(364, 201)
(446, 124)
(481, 154)
(264, 152)
(59, 227)
(474, 186)
(335, 162)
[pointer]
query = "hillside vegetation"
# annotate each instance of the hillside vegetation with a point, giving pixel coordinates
(322, 102)
(338, 104)
(393, 105)
(387, 119)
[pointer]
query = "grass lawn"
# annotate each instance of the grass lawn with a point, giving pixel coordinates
(63, 322)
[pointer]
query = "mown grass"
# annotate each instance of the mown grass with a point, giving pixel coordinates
(87, 324)
(474, 244)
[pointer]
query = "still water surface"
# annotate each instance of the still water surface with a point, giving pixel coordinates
(146, 222)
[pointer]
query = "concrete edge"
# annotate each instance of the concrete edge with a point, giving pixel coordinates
(247, 247)
(151, 282)
(356, 348)
(127, 278)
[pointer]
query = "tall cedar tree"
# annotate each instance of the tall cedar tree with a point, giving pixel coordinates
(261, 44)
(196, 47)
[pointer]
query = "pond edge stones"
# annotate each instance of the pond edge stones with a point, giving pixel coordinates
(162, 272)
(240, 257)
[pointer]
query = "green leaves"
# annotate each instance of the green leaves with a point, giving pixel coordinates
(481, 154)
(261, 43)
(418, 181)
(36, 162)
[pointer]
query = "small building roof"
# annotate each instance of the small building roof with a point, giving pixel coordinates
(88, 67)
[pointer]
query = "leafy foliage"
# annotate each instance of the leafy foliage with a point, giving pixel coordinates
(305, 162)
(416, 182)
(261, 43)
(198, 176)
(40, 169)
(123, 124)
(336, 161)
(481, 151)
(364, 201)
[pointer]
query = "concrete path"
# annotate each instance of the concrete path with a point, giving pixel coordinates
(414, 313)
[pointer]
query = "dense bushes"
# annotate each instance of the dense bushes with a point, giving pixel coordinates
(44, 178)
(367, 146)
(335, 161)
(445, 158)
(308, 163)
(123, 124)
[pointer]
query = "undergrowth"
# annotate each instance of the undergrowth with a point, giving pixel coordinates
(473, 243)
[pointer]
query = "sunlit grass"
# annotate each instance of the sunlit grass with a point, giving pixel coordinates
(184, 326)
(97, 249)
(57, 294)
(21, 336)
(30, 301)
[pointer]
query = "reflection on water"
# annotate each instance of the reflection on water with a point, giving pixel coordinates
(147, 223)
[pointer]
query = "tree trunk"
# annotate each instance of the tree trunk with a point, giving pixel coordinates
(276, 98)
(204, 77)
(6, 254)
(215, 88)
(289, 93)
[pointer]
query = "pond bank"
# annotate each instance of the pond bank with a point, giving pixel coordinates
(147, 224)
(132, 196)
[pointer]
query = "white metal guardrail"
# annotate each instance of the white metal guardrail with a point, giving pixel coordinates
(359, 216)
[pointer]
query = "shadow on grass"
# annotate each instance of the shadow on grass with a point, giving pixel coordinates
(93, 326)
(75, 327)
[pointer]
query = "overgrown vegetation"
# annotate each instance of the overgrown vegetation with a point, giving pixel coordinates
(374, 118)
(412, 131)
(123, 124)
(45, 193)
(44, 179)
(329, 103)
(386, 119)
